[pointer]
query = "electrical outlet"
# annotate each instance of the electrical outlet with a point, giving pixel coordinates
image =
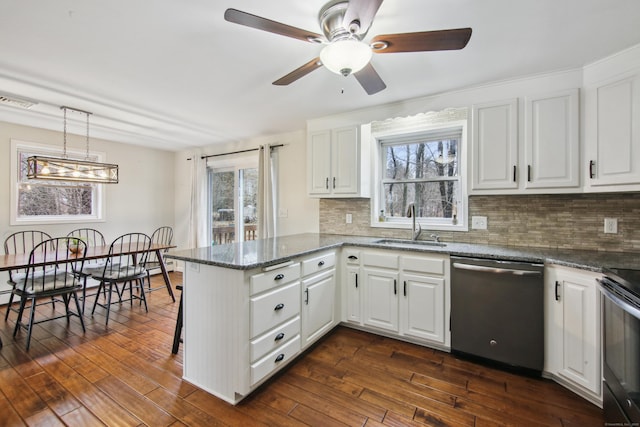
(611, 225)
(479, 222)
(349, 218)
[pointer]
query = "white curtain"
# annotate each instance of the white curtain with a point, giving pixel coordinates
(198, 205)
(267, 191)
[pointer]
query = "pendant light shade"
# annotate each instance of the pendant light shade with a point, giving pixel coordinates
(65, 169)
(346, 56)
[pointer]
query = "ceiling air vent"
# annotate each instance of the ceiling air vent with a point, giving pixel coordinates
(16, 102)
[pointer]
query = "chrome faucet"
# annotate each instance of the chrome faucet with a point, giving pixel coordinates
(411, 213)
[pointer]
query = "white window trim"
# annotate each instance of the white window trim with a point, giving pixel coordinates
(49, 150)
(406, 223)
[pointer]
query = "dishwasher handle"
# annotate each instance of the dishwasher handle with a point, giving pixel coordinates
(496, 270)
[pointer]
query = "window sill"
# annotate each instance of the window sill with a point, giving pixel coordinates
(433, 226)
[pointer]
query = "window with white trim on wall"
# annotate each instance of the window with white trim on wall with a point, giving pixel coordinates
(420, 160)
(36, 201)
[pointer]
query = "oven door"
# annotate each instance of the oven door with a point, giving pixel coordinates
(621, 333)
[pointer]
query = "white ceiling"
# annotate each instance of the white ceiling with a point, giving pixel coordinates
(174, 74)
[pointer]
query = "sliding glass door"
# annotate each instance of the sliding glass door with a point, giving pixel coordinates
(233, 197)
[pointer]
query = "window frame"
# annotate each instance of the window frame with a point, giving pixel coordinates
(378, 196)
(98, 202)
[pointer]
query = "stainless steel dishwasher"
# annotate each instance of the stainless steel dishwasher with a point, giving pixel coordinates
(497, 312)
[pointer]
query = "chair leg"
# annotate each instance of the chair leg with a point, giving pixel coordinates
(84, 293)
(32, 315)
(23, 302)
(80, 314)
(177, 335)
(6, 315)
(95, 302)
(142, 295)
(109, 301)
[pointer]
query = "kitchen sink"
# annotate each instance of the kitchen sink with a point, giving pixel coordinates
(392, 242)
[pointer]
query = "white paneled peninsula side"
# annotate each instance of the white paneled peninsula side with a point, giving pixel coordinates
(251, 308)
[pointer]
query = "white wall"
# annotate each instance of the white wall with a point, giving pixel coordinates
(141, 201)
(302, 211)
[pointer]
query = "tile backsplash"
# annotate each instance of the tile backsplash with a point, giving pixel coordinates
(567, 221)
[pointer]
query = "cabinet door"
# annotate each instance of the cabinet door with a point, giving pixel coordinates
(345, 161)
(319, 162)
(380, 298)
(495, 145)
(318, 302)
(552, 140)
(574, 328)
(423, 307)
(617, 133)
(354, 301)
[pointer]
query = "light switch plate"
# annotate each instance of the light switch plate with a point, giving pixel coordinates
(479, 222)
(349, 218)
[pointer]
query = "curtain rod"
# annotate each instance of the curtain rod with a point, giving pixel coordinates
(238, 152)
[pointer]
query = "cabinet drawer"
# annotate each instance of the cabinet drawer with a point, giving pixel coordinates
(432, 265)
(274, 307)
(269, 279)
(380, 260)
(274, 360)
(274, 338)
(319, 263)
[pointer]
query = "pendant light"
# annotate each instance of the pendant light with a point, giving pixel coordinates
(65, 169)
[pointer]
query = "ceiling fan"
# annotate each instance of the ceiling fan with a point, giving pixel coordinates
(345, 24)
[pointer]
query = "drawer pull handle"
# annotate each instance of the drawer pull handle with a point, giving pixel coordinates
(280, 357)
(356, 280)
(278, 307)
(279, 277)
(557, 289)
(279, 336)
(321, 263)
(306, 300)
(353, 257)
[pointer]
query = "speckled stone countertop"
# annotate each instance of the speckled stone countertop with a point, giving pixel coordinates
(272, 251)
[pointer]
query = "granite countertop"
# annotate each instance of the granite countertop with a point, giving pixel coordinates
(277, 250)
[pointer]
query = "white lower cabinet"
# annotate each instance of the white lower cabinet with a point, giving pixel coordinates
(380, 298)
(405, 295)
(318, 297)
(573, 347)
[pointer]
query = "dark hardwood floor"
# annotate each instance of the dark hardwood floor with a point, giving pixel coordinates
(125, 375)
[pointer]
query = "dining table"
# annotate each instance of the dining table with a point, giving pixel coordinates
(20, 261)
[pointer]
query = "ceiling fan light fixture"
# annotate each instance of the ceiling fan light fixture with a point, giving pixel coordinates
(346, 56)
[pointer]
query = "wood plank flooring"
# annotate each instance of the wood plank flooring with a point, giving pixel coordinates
(125, 375)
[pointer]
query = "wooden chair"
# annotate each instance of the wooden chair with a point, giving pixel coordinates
(53, 271)
(91, 237)
(164, 236)
(125, 265)
(21, 242)
(177, 334)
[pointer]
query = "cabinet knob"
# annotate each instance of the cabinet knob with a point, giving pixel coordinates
(321, 263)
(279, 277)
(278, 307)
(493, 342)
(280, 357)
(279, 336)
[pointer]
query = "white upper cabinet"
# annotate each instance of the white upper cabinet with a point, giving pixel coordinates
(495, 145)
(613, 132)
(545, 159)
(552, 142)
(338, 163)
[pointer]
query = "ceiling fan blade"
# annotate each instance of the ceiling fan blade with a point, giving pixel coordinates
(299, 72)
(423, 41)
(370, 80)
(363, 11)
(264, 24)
